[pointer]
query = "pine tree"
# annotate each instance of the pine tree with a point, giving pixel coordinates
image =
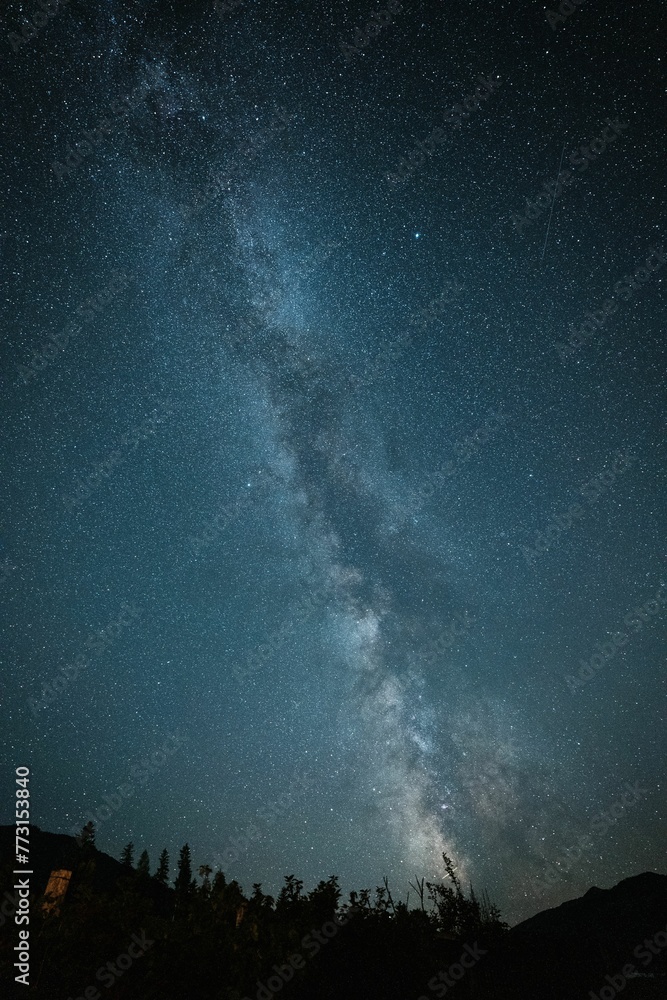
(143, 865)
(127, 856)
(183, 881)
(87, 836)
(162, 873)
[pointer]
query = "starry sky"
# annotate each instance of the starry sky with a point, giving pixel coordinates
(334, 454)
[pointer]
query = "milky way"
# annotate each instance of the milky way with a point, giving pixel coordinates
(347, 447)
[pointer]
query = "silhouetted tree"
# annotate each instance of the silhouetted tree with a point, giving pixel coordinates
(289, 896)
(87, 836)
(183, 881)
(323, 900)
(219, 882)
(143, 864)
(259, 901)
(127, 855)
(458, 914)
(162, 873)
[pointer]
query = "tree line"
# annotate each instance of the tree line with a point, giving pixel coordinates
(203, 936)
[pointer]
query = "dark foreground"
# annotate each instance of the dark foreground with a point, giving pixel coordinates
(119, 932)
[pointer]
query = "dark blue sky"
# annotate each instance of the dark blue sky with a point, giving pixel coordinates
(335, 464)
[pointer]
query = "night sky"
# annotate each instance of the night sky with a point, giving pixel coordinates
(334, 445)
